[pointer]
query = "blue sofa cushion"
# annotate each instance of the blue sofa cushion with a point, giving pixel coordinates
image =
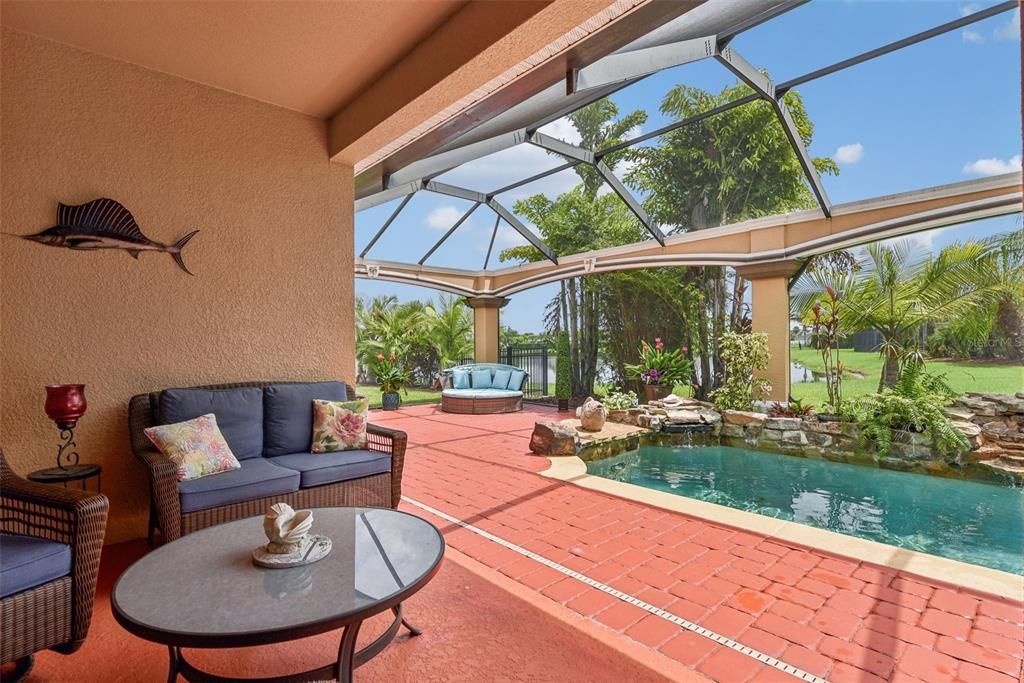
(481, 393)
(482, 379)
(239, 414)
(515, 383)
(257, 478)
(327, 468)
(288, 414)
(27, 562)
(501, 378)
(460, 379)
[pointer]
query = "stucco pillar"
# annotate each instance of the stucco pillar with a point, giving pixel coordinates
(486, 326)
(769, 304)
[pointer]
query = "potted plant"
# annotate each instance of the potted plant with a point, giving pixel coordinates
(392, 378)
(659, 370)
(563, 377)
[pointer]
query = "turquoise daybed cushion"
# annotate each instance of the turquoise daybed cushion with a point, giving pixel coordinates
(460, 379)
(501, 379)
(515, 383)
(482, 378)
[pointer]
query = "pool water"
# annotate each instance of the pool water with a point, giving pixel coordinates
(962, 520)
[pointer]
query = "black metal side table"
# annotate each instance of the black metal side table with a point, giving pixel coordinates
(62, 475)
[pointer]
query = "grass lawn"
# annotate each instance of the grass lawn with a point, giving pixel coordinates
(962, 376)
(372, 392)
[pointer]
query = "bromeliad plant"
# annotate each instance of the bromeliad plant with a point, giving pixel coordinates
(391, 374)
(659, 365)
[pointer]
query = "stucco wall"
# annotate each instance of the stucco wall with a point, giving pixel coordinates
(272, 295)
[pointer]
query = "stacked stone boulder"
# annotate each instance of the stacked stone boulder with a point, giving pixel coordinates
(656, 415)
(994, 424)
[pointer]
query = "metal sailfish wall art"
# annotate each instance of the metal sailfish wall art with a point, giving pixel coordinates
(104, 224)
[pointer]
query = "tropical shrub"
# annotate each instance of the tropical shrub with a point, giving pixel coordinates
(742, 355)
(618, 400)
(660, 366)
(914, 404)
(563, 373)
(794, 408)
(390, 373)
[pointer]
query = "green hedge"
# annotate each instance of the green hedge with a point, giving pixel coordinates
(563, 373)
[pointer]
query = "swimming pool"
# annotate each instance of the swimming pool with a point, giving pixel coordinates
(962, 520)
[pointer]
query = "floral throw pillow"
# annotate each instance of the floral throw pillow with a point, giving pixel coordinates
(339, 425)
(196, 446)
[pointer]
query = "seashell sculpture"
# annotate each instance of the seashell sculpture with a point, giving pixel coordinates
(285, 528)
(289, 543)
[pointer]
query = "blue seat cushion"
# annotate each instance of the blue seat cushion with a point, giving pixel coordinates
(239, 414)
(482, 379)
(327, 468)
(27, 562)
(288, 414)
(501, 378)
(515, 383)
(460, 379)
(257, 478)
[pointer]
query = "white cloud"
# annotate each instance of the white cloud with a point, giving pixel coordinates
(970, 36)
(443, 217)
(850, 154)
(993, 166)
(1010, 30)
(563, 130)
(967, 10)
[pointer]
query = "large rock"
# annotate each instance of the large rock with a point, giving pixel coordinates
(742, 417)
(783, 423)
(553, 438)
(683, 417)
(592, 415)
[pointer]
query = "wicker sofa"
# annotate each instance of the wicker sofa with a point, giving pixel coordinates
(268, 426)
(491, 388)
(50, 544)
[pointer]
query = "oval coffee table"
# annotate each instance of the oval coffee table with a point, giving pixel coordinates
(203, 590)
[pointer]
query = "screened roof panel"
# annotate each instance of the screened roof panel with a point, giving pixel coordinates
(718, 140)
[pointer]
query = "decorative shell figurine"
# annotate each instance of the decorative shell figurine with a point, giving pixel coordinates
(285, 528)
(289, 543)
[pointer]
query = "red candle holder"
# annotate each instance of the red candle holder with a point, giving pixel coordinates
(65, 404)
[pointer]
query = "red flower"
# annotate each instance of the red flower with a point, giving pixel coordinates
(380, 356)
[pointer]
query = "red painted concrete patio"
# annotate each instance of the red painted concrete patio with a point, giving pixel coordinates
(832, 617)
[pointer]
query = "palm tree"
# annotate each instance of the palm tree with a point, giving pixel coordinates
(449, 330)
(897, 288)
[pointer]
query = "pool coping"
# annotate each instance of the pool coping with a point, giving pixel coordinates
(573, 470)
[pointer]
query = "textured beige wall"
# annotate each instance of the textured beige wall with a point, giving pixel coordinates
(272, 297)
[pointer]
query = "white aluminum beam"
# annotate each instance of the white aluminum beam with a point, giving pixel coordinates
(626, 196)
(518, 226)
(385, 196)
(765, 87)
(626, 66)
(557, 146)
(451, 230)
(455, 191)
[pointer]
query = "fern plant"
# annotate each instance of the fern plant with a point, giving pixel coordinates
(914, 404)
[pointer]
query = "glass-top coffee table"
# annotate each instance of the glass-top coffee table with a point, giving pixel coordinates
(203, 590)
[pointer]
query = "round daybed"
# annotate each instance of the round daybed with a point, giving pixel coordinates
(483, 389)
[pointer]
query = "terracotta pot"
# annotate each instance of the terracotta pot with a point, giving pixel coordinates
(391, 400)
(656, 392)
(65, 403)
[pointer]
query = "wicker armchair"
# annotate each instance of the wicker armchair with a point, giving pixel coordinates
(56, 614)
(165, 513)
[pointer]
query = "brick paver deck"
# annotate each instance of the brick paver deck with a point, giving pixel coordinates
(832, 617)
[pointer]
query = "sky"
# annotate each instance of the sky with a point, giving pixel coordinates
(942, 111)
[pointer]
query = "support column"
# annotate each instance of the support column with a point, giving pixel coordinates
(486, 326)
(769, 304)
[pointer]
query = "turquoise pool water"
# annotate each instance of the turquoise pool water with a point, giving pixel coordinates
(963, 520)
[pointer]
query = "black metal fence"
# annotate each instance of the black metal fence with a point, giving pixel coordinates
(533, 358)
